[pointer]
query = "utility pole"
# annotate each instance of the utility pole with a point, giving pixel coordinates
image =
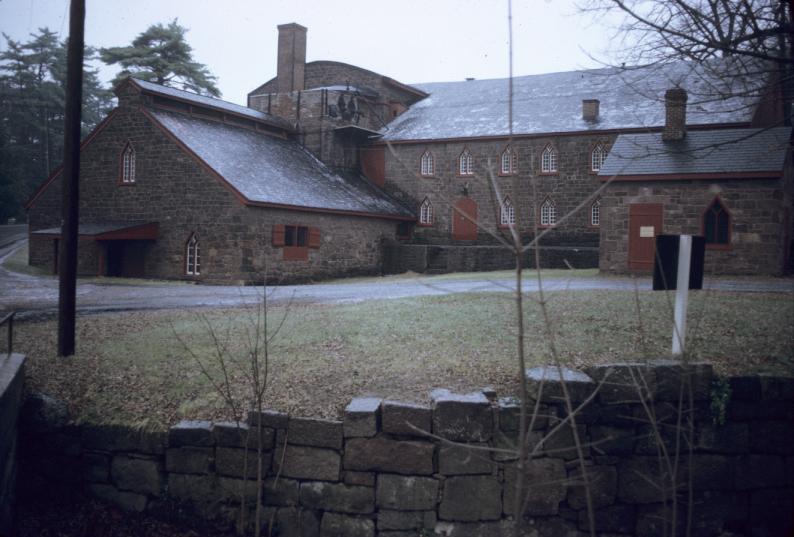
(67, 262)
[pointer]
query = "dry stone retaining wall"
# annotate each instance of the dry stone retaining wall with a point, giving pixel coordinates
(378, 472)
(12, 378)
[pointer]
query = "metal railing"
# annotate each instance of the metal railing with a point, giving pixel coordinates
(9, 319)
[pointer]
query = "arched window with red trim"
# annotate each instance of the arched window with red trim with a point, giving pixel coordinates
(192, 256)
(717, 224)
(508, 161)
(465, 163)
(128, 164)
(548, 213)
(427, 164)
(548, 160)
(426, 213)
(507, 213)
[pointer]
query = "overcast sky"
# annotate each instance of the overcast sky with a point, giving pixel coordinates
(410, 40)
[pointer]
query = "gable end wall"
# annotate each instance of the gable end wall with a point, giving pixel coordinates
(175, 190)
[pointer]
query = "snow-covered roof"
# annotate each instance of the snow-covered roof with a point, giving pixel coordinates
(700, 152)
(552, 103)
(267, 169)
(208, 102)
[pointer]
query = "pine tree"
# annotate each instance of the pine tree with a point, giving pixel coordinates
(32, 82)
(162, 55)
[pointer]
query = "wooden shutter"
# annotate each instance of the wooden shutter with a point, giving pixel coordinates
(278, 235)
(314, 237)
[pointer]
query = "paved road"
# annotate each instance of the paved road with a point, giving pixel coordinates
(10, 234)
(40, 294)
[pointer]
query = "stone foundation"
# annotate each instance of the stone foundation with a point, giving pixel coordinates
(438, 259)
(400, 469)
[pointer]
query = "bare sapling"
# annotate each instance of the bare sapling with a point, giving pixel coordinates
(241, 354)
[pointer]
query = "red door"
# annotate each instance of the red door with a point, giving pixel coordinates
(645, 222)
(464, 216)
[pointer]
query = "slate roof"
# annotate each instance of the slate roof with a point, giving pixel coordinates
(547, 103)
(700, 152)
(267, 169)
(208, 102)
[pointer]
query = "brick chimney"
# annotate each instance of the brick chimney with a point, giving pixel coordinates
(674, 114)
(590, 109)
(291, 57)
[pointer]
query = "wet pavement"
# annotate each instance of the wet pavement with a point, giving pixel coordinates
(39, 294)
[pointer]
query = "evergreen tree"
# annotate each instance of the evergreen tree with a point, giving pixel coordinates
(32, 85)
(162, 55)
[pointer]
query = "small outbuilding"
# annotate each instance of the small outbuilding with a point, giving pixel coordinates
(733, 186)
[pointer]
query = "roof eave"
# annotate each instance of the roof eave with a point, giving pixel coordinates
(325, 210)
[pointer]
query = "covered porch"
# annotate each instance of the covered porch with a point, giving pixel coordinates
(104, 248)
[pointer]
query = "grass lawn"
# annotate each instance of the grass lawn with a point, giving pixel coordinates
(131, 366)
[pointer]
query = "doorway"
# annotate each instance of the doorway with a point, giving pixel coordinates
(645, 222)
(463, 228)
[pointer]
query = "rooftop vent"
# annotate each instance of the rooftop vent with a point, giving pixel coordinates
(590, 109)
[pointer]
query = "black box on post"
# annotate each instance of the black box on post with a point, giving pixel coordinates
(665, 269)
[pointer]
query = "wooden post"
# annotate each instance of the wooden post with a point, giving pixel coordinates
(67, 279)
(682, 294)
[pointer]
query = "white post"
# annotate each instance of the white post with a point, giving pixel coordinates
(682, 293)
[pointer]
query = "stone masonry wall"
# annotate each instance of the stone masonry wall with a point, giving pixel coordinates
(308, 111)
(571, 185)
(377, 471)
(12, 378)
(758, 210)
(401, 257)
(173, 189)
(319, 74)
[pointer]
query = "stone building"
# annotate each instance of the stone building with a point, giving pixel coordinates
(373, 175)
(732, 186)
(455, 152)
(174, 185)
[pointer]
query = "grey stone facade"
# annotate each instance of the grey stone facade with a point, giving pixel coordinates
(569, 187)
(325, 482)
(758, 210)
(174, 189)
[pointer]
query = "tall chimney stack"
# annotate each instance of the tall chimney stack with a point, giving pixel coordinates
(291, 57)
(674, 114)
